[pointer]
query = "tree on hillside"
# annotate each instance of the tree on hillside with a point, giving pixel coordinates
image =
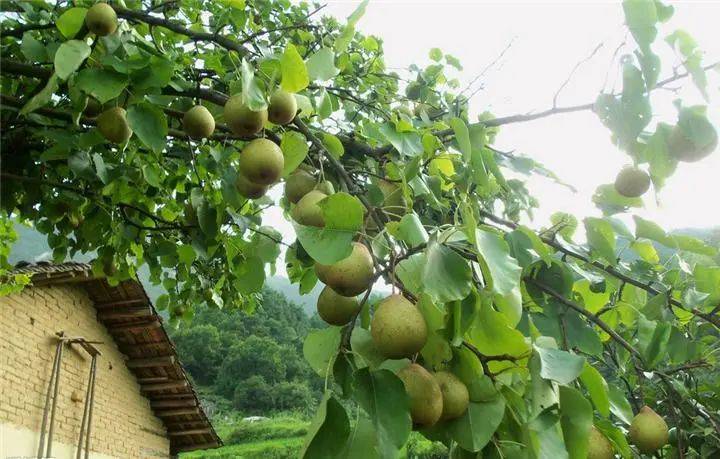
(150, 132)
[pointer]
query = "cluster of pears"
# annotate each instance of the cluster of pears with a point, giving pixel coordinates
(691, 140)
(244, 121)
(648, 432)
(433, 396)
(345, 279)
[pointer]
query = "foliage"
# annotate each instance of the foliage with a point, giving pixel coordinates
(518, 315)
(278, 427)
(251, 360)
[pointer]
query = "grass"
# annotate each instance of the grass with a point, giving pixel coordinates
(278, 448)
(283, 437)
(276, 438)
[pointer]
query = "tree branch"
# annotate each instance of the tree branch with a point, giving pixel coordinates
(176, 27)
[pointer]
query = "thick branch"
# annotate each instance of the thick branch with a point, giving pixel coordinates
(589, 315)
(176, 27)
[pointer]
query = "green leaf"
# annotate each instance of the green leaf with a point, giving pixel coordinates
(462, 137)
(295, 148)
(333, 145)
(71, 21)
(342, 211)
(446, 275)
(601, 238)
(501, 271)
(363, 442)
(576, 419)
(474, 429)
(152, 175)
(382, 395)
(207, 218)
(150, 125)
(328, 432)
(155, 75)
(294, 73)
(320, 347)
(559, 366)
(43, 97)
(325, 245)
(358, 13)
(436, 54)
(641, 17)
(492, 334)
(406, 143)
(102, 84)
(597, 389)
(607, 199)
(186, 254)
(32, 49)
(251, 92)
(411, 231)
(321, 65)
(656, 349)
(69, 56)
(619, 406)
(249, 275)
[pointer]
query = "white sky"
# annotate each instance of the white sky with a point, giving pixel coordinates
(549, 39)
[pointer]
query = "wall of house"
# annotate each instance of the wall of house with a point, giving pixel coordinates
(123, 423)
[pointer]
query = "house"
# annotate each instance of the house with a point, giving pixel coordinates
(118, 390)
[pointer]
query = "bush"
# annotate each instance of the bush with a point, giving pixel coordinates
(253, 396)
(292, 396)
(420, 448)
(284, 427)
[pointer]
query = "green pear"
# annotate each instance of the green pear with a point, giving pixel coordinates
(240, 119)
(648, 431)
(599, 447)
(198, 122)
(262, 162)
(307, 211)
(683, 147)
(398, 328)
(455, 395)
(101, 19)
(426, 400)
(113, 125)
(326, 187)
(283, 107)
(298, 184)
(632, 182)
(249, 189)
(336, 309)
(350, 276)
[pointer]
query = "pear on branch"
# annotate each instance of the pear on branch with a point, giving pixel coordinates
(298, 184)
(240, 119)
(398, 328)
(307, 211)
(262, 161)
(249, 189)
(336, 309)
(454, 393)
(101, 19)
(350, 276)
(198, 122)
(632, 182)
(648, 431)
(599, 447)
(282, 108)
(113, 125)
(426, 399)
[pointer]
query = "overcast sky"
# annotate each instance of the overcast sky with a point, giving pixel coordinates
(548, 40)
